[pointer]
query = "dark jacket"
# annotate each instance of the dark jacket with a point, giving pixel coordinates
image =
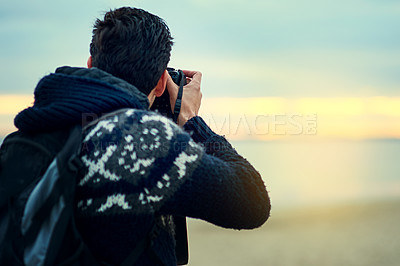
(142, 168)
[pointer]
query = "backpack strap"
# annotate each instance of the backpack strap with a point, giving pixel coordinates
(15, 187)
(49, 207)
(30, 143)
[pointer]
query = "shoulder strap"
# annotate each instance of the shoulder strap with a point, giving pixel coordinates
(12, 183)
(49, 207)
(181, 248)
(30, 143)
(178, 102)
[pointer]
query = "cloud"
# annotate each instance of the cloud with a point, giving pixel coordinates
(303, 118)
(271, 118)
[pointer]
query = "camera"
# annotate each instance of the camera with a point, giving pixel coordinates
(162, 104)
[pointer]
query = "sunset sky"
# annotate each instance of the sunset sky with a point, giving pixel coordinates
(269, 67)
(307, 90)
(274, 118)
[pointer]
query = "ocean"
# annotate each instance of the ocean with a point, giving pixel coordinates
(324, 172)
(333, 203)
(308, 173)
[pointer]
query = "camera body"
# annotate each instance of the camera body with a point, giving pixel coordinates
(162, 104)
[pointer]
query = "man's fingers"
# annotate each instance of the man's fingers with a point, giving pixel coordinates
(188, 80)
(194, 75)
(189, 73)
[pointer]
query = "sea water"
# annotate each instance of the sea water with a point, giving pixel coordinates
(303, 173)
(320, 172)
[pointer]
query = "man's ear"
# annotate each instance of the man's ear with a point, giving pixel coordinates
(89, 62)
(162, 84)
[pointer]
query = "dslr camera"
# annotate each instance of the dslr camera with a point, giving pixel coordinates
(162, 104)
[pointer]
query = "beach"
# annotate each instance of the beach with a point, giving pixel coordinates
(353, 224)
(363, 233)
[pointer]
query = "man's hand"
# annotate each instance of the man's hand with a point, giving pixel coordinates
(191, 98)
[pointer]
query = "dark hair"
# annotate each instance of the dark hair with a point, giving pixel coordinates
(132, 44)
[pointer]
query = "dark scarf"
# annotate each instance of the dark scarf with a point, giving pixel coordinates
(64, 97)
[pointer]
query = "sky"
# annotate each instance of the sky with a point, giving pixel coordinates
(289, 58)
(308, 70)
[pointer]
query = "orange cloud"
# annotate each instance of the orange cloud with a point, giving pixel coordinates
(270, 118)
(312, 118)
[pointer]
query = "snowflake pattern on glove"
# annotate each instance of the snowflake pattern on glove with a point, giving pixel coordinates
(135, 161)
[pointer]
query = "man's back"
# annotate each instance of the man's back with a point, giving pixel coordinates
(141, 168)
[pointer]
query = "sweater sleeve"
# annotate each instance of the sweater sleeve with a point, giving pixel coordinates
(225, 189)
(140, 162)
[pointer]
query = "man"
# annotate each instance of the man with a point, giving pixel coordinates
(141, 168)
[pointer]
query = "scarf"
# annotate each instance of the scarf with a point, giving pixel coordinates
(64, 97)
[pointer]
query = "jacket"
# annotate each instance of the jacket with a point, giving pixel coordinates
(142, 169)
